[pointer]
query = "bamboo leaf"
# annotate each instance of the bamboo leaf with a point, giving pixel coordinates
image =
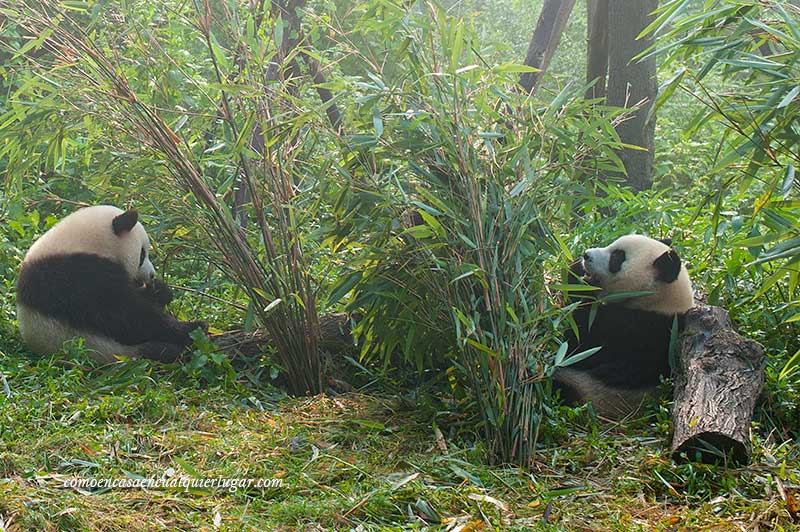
(791, 366)
(790, 96)
(788, 179)
(377, 121)
(562, 350)
(343, 286)
(574, 359)
(514, 68)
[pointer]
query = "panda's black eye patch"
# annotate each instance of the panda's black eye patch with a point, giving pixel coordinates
(616, 260)
(142, 255)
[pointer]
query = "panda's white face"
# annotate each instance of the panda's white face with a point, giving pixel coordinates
(101, 230)
(636, 263)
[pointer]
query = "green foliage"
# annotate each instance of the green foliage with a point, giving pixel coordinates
(268, 263)
(452, 198)
(504, 29)
(441, 213)
(754, 47)
(206, 363)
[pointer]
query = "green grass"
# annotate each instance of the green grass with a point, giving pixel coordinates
(345, 461)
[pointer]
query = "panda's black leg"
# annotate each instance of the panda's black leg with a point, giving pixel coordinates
(568, 393)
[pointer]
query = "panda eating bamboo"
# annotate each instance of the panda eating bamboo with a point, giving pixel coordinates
(90, 276)
(633, 333)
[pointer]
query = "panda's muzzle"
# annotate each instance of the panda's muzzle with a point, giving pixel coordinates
(146, 272)
(579, 270)
(589, 267)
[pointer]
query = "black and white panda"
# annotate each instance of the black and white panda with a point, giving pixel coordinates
(633, 333)
(90, 276)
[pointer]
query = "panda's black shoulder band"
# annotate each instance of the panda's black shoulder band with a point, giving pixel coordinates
(125, 221)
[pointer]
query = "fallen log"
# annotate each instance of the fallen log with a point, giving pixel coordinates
(334, 336)
(718, 377)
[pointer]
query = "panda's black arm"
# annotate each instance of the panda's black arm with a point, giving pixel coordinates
(133, 319)
(161, 351)
(94, 294)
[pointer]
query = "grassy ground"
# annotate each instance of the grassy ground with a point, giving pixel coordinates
(353, 461)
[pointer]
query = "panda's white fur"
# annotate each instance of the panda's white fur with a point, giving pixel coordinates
(44, 335)
(90, 276)
(87, 230)
(609, 401)
(633, 332)
(637, 275)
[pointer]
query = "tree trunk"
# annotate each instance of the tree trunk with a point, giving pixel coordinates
(331, 109)
(597, 48)
(334, 335)
(282, 68)
(545, 39)
(632, 84)
(718, 377)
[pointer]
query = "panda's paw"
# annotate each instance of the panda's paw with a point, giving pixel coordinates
(161, 351)
(190, 326)
(159, 292)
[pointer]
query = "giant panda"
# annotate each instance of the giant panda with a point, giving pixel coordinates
(633, 333)
(90, 275)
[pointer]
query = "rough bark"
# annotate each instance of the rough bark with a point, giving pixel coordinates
(283, 68)
(334, 335)
(597, 47)
(632, 84)
(552, 20)
(293, 36)
(331, 109)
(718, 377)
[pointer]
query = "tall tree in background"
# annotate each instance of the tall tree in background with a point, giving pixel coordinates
(291, 44)
(546, 36)
(283, 77)
(613, 28)
(631, 83)
(597, 52)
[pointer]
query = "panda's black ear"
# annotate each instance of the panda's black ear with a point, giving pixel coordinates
(667, 241)
(668, 266)
(125, 221)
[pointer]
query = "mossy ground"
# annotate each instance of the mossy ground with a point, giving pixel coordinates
(353, 461)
